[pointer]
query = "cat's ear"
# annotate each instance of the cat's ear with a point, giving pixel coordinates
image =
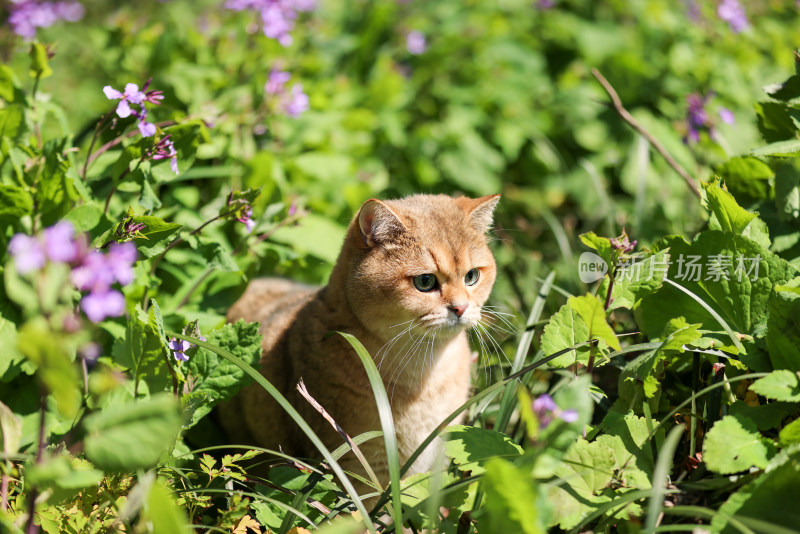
(378, 223)
(480, 211)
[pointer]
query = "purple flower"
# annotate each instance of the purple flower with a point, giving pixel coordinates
(165, 149)
(726, 115)
(154, 97)
(128, 230)
(90, 352)
(697, 118)
(93, 273)
(179, 348)
(120, 260)
(98, 305)
(546, 410)
(545, 4)
(147, 129)
(28, 253)
(278, 22)
(623, 243)
(295, 101)
(131, 94)
(244, 218)
(27, 15)
(277, 79)
(59, 244)
(732, 12)
(416, 43)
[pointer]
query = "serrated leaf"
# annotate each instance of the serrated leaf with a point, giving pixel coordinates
(513, 502)
(63, 476)
(471, 447)
(15, 202)
(216, 377)
(602, 245)
(779, 385)
(633, 282)
(565, 329)
(727, 216)
(593, 314)
(157, 231)
(790, 148)
(734, 444)
(783, 329)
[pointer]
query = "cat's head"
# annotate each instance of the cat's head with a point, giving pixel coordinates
(421, 262)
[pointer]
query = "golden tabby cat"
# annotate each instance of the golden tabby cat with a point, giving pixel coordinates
(412, 275)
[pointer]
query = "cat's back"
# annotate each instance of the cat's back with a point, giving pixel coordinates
(273, 302)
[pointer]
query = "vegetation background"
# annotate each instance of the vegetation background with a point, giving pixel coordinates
(258, 129)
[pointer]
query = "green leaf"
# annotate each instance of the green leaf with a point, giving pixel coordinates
(628, 436)
(313, 235)
(217, 377)
(162, 513)
(15, 202)
(781, 385)
(157, 231)
(7, 83)
(85, 217)
(471, 447)
(734, 444)
(729, 217)
(142, 351)
(63, 476)
(790, 148)
(783, 329)
(790, 434)
(513, 501)
(55, 368)
(746, 177)
(10, 430)
(632, 282)
(134, 435)
(40, 64)
(770, 497)
(591, 311)
(12, 121)
(787, 192)
(765, 416)
(565, 329)
(602, 245)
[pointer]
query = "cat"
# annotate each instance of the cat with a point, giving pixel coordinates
(411, 277)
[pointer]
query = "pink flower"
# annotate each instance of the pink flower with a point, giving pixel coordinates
(131, 94)
(98, 305)
(416, 43)
(28, 253)
(277, 79)
(295, 102)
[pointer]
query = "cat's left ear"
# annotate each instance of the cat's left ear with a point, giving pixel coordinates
(378, 224)
(480, 211)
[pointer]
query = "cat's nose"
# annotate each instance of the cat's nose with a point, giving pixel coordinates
(459, 307)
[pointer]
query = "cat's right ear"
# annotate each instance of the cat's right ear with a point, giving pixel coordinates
(378, 224)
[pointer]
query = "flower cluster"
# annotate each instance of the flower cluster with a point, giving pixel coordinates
(623, 243)
(165, 149)
(292, 102)
(546, 410)
(27, 15)
(277, 16)
(132, 95)
(92, 270)
(698, 119)
(732, 12)
(239, 208)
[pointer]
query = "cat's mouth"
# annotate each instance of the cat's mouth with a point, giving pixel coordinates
(449, 321)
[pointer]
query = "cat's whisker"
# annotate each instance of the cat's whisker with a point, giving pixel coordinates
(381, 354)
(494, 325)
(407, 358)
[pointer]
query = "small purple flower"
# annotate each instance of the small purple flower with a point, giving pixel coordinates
(545, 4)
(295, 101)
(245, 218)
(90, 352)
(165, 149)
(277, 79)
(98, 305)
(726, 115)
(59, 244)
(147, 129)
(28, 253)
(732, 12)
(93, 273)
(27, 15)
(120, 260)
(128, 230)
(131, 94)
(623, 243)
(546, 410)
(416, 43)
(179, 348)
(69, 11)
(154, 97)
(292, 208)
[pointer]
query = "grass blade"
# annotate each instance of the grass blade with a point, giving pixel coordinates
(387, 425)
(280, 399)
(660, 473)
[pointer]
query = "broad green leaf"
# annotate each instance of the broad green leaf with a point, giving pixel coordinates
(734, 444)
(142, 351)
(746, 177)
(781, 385)
(513, 500)
(216, 377)
(12, 121)
(602, 245)
(787, 192)
(314, 235)
(635, 280)
(134, 435)
(770, 498)
(85, 217)
(6, 83)
(471, 447)
(593, 314)
(727, 216)
(627, 435)
(566, 329)
(790, 148)
(63, 476)
(765, 416)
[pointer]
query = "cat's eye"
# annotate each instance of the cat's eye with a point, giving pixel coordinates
(425, 282)
(471, 278)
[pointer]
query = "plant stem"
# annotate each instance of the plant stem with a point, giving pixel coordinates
(117, 140)
(31, 527)
(627, 117)
(97, 131)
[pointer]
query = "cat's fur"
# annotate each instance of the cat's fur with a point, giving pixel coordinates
(371, 295)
